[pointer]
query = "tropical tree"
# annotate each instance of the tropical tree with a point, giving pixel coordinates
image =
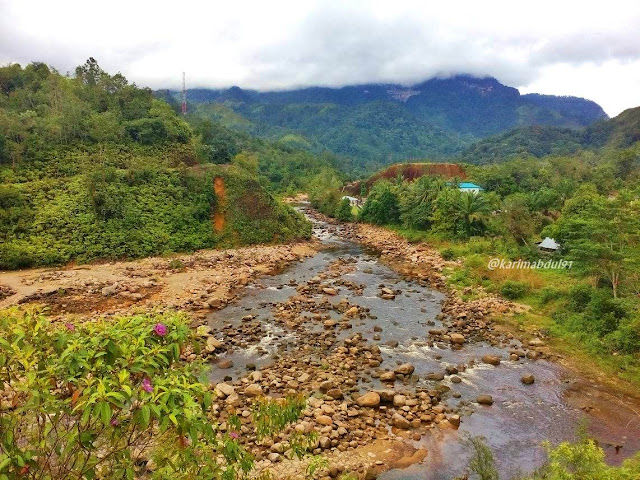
(418, 202)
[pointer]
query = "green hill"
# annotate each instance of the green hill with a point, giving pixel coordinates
(92, 167)
(536, 141)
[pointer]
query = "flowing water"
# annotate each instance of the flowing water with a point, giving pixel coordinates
(521, 417)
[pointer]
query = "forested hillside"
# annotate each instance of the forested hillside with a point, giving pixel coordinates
(537, 141)
(94, 167)
(379, 124)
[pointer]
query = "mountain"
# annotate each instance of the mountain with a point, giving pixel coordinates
(538, 141)
(379, 124)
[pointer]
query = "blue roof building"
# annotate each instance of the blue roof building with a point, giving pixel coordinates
(469, 187)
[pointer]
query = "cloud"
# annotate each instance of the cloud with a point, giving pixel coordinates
(287, 44)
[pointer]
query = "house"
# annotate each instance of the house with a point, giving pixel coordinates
(470, 187)
(353, 201)
(548, 245)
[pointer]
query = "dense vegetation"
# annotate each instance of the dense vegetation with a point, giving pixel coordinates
(377, 124)
(590, 203)
(93, 167)
(114, 400)
(538, 141)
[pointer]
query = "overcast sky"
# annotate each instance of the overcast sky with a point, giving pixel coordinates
(555, 47)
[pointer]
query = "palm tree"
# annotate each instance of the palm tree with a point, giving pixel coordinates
(473, 212)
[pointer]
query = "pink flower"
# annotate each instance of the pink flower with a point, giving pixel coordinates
(146, 385)
(160, 329)
(114, 422)
(234, 435)
(70, 326)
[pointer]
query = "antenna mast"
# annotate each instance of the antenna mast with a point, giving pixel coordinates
(184, 95)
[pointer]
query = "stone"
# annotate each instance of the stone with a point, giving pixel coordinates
(110, 290)
(399, 400)
(330, 291)
(454, 420)
(400, 422)
(369, 399)
(528, 379)
(225, 363)
(388, 377)
(485, 399)
(335, 393)
(404, 369)
(457, 338)
(491, 359)
(324, 420)
(224, 389)
(212, 344)
(455, 379)
(386, 396)
(324, 442)
(253, 390)
(434, 377)
(536, 342)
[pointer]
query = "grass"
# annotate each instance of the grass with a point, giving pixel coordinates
(546, 294)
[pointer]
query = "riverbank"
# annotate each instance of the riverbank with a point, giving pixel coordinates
(197, 283)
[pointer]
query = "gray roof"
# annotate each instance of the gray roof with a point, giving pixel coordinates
(549, 243)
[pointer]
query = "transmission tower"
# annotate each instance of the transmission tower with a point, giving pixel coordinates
(184, 95)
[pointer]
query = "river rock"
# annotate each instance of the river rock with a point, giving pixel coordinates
(485, 399)
(324, 420)
(369, 399)
(528, 379)
(388, 377)
(457, 338)
(404, 369)
(400, 422)
(253, 390)
(330, 291)
(491, 359)
(536, 342)
(225, 363)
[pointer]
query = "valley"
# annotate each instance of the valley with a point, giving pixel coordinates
(400, 371)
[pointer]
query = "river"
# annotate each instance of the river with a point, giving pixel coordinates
(522, 416)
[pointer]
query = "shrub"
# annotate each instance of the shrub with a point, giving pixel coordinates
(513, 290)
(579, 297)
(448, 254)
(548, 294)
(98, 399)
(343, 212)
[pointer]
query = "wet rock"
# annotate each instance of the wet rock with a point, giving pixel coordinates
(457, 338)
(454, 420)
(455, 379)
(485, 399)
(491, 359)
(330, 291)
(369, 399)
(404, 369)
(435, 377)
(388, 377)
(386, 396)
(225, 363)
(528, 379)
(392, 343)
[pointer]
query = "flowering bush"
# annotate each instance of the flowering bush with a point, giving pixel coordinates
(102, 398)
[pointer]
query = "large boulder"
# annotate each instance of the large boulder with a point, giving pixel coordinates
(369, 399)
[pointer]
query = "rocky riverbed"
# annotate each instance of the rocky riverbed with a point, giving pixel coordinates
(398, 367)
(389, 356)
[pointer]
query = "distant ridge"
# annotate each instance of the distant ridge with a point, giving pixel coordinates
(380, 124)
